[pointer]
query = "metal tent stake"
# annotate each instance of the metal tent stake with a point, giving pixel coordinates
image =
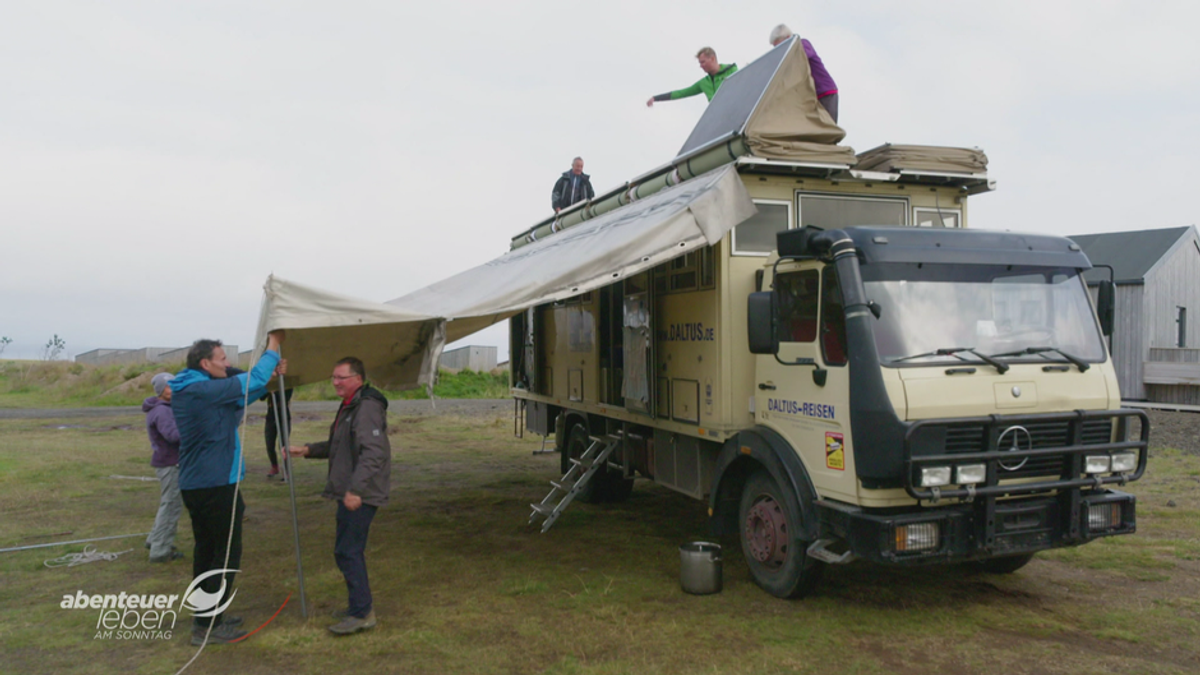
(283, 424)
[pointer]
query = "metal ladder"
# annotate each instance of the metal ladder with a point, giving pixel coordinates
(575, 479)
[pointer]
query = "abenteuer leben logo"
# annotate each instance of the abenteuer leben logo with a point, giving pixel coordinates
(127, 616)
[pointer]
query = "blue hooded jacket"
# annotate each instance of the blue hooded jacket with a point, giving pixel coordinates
(208, 411)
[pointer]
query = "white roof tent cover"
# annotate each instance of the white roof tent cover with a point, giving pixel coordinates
(400, 341)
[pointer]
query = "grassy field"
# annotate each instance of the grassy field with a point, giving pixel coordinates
(61, 384)
(463, 585)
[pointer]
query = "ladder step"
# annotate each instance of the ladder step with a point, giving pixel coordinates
(544, 509)
(585, 462)
(559, 486)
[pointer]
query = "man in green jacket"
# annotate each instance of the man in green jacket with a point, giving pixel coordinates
(708, 85)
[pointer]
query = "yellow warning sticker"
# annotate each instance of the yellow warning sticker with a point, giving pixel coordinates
(835, 451)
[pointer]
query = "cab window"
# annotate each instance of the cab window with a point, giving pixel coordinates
(798, 294)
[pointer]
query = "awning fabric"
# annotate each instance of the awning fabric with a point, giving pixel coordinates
(401, 348)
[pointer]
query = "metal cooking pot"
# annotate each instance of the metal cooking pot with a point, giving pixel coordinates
(700, 563)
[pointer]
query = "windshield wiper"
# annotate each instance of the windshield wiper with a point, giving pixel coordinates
(1041, 351)
(953, 351)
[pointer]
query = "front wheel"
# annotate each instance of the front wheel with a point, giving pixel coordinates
(772, 540)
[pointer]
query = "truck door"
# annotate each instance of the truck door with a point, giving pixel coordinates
(637, 386)
(803, 390)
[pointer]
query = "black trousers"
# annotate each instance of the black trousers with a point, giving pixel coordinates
(349, 551)
(211, 510)
(271, 428)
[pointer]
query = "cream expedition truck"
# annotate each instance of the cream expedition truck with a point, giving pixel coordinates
(849, 372)
(901, 394)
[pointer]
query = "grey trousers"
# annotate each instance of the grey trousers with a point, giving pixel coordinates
(170, 505)
(830, 103)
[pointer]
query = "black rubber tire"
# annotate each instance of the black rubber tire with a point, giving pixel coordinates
(1004, 565)
(795, 575)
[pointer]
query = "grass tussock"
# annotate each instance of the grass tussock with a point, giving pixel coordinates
(62, 384)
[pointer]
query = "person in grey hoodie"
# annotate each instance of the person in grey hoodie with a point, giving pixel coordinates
(164, 439)
(360, 469)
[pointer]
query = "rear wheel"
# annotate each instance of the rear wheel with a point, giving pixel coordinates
(771, 534)
(606, 485)
(1005, 565)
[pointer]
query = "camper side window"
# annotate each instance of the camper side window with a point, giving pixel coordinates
(756, 235)
(798, 294)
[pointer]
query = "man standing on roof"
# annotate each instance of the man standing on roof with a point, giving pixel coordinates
(827, 92)
(208, 402)
(708, 85)
(573, 186)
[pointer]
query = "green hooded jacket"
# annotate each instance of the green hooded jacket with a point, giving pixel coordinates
(707, 85)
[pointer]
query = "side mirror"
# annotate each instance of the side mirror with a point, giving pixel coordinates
(1106, 306)
(761, 323)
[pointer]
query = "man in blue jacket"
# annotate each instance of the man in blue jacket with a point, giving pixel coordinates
(208, 403)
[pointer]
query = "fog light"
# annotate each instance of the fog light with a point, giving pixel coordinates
(968, 474)
(1104, 517)
(917, 537)
(1096, 463)
(1124, 461)
(933, 476)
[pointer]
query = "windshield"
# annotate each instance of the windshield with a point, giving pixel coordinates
(994, 309)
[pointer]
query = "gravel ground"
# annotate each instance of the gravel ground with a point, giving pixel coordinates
(1179, 430)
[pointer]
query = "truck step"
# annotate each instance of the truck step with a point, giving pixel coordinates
(819, 550)
(595, 457)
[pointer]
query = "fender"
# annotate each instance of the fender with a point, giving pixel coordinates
(766, 447)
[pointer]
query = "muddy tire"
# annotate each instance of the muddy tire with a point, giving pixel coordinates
(1005, 565)
(606, 485)
(771, 539)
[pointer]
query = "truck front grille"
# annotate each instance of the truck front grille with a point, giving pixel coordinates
(1053, 434)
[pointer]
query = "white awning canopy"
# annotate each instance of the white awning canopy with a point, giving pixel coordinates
(401, 340)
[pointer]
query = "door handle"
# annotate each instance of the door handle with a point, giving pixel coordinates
(766, 386)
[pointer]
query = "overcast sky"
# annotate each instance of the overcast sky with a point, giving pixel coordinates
(158, 160)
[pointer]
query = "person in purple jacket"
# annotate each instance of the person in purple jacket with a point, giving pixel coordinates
(827, 91)
(164, 439)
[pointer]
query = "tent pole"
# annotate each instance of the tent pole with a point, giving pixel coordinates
(283, 424)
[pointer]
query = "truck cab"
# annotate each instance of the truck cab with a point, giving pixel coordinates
(947, 395)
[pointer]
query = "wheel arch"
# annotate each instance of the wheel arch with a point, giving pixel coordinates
(751, 449)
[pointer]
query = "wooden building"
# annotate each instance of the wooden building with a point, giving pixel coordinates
(1156, 340)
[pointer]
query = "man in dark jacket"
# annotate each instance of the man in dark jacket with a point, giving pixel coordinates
(359, 478)
(208, 404)
(573, 186)
(164, 440)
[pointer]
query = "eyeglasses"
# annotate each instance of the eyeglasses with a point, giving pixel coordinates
(343, 378)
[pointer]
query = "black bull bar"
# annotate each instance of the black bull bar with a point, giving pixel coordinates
(920, 452)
